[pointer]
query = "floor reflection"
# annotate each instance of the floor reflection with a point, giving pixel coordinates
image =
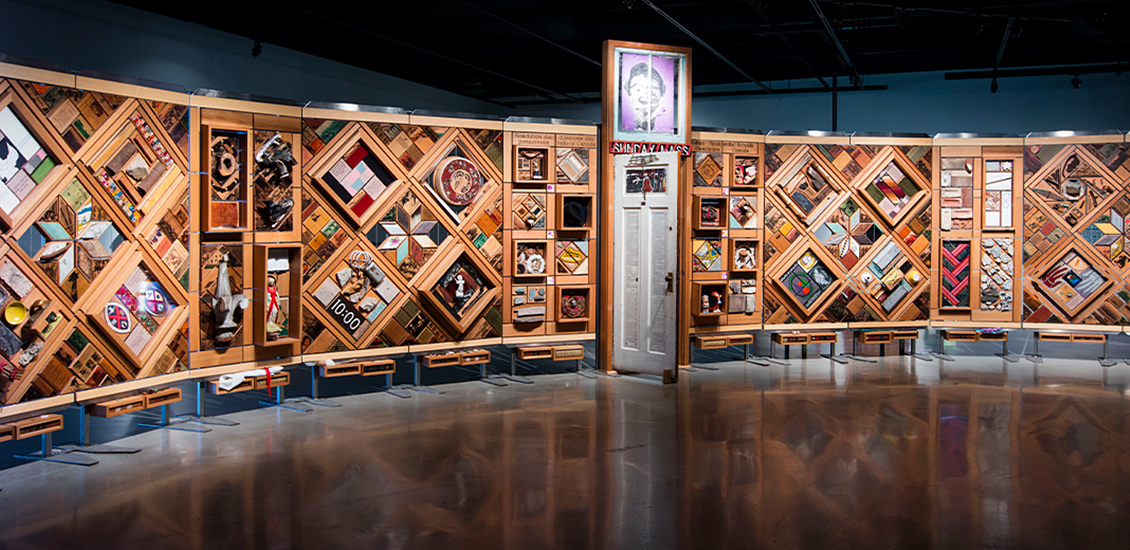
(816, 455)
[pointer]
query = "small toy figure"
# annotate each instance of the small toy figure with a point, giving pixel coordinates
(273, 329)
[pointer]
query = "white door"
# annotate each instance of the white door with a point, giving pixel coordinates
(646, 204)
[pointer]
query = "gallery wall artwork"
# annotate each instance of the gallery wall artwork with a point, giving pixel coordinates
(847, 231)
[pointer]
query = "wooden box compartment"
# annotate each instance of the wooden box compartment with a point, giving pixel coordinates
(7, 432)
(710, 299)
(960, 335)
(876, 337)
(437, 360)
(822, 337)
(540, 352)
(744, 254)
(532, 258)
(790, 339)
(276, 380)
(909, 334)
(739, 339)
(117, 407)
(575, 303)
(162, 397)
(215, 389)
(377, 367)
(991, 337)
(575, 213)
(334, 371)
(39, 425)
(710, 342)
(1088, 338)
(225, 161)
(710, 213)
(534, 164)
(277, 286)
(567, 353)
(1053, 336)
(474, 357)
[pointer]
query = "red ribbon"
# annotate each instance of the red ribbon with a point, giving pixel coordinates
(268, 382)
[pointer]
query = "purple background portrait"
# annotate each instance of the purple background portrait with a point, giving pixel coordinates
(665, 114)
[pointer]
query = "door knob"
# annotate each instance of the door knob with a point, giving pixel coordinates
(670, 278)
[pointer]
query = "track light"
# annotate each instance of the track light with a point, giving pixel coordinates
(900, 19)
(1076, 82)
(628, 3)
(256, 49)
(993, 86)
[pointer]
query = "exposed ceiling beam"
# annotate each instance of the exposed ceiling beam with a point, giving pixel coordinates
(1004, 42)
(1116, 68)
(702, 43)
(526, 30)
(544, 91)
(774, 28)
(834, 41)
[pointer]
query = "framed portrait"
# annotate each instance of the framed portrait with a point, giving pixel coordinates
(650, 89)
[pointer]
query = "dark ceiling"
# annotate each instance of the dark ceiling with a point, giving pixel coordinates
(522, 51)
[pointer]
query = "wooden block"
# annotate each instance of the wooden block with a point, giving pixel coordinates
(876, 336)
(247, 384)
(7, 432)
(710, 342)
(162, 397)
(909, 334)
(437, 360)
(960, 335)
(822, 337)
(117, 407)
(39, 425)
(347, 369)
(990, 337)
(568, 353)
(790, 339)
(276, 380)
(1088, 338)
(1053, 336)
(377, 367)
(739, 339)
(537, 352)
(474, 357)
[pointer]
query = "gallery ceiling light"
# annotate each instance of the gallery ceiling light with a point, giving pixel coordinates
(1076, 82)
(256, 49)
(993, 86)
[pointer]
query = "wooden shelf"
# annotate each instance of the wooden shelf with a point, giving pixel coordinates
(564, 201)
(270, 260)
(588, 292)
(438, 360)
(39, 425)
(118, 407)
(162, 397)
(474, 357)
(718, 205)
(699, 290)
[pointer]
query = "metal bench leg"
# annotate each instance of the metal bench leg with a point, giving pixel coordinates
(50, 453)
(199, 417)
(941, 353)
(1105, 360)
(84, 445)
(174, 424)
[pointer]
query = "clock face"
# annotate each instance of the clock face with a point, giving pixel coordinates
(458, 181)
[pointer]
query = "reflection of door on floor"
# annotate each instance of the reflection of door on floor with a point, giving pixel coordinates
(646, 202)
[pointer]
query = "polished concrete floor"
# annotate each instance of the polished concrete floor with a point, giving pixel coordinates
(978, 453)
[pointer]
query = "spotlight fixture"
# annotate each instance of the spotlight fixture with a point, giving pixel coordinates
(628, 3)
(256, 49)
(1076, 82)
(993, 86)
(900, 19)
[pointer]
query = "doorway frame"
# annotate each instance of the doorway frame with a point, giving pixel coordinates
(607, 234)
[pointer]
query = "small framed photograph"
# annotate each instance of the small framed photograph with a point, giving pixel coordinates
(651, 92)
